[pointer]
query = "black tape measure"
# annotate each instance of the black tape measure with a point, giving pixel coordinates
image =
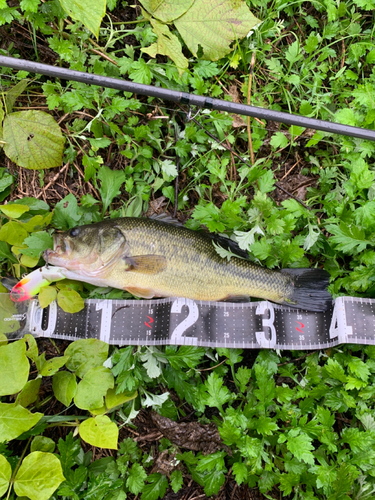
(179, 321)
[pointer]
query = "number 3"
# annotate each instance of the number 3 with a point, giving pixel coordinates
(266, 322)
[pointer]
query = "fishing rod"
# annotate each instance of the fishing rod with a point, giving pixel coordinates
(186, 98)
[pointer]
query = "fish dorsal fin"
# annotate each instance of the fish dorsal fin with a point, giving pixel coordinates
(167, 218)
(145, 264)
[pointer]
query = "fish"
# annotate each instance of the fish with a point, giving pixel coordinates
(152, 258)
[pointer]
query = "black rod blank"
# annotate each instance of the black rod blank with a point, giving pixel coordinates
(186, 98)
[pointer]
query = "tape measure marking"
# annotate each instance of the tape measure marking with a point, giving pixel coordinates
(179, 321)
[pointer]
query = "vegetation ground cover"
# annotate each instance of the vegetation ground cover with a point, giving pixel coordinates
(292, 425)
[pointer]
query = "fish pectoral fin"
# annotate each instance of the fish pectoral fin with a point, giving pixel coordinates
(144, 293)
(146, 264)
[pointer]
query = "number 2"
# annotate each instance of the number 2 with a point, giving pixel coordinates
(189, 321)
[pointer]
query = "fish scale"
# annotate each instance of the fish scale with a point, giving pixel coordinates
(151, 258)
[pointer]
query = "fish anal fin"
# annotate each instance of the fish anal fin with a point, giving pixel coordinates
(146, 264)
(144, 293)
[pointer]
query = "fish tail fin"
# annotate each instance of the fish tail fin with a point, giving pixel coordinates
(310, 289)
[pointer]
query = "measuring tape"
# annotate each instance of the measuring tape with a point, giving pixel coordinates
(179, 321)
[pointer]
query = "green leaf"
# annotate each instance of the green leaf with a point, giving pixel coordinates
(359, 368)
(42, 443)
(13, 94)
(64, 387)
(347, 238)
(70, 301)
(14, 367)
(66, 214)
(301, 447)
(86, 354)
(279, 140)
(157, 487)
(5, 474)
(100, 432)
(245, 239)
(89, 12)
(39, 476)
(240, 472)
(33, 139)
(177, 480)
(6, 179)
(168, 45)
(136, 478)
(13, 233)
(111, 181)
(37, 243)
(14, 420)
(32, 351)
(112, 399)
(293, 53)
(218, 395)
(14, 211)
(29, 5)
(49, 367)
(47, 295)
(93, 387)
(214, 26)
(167, 10)
(29, 393)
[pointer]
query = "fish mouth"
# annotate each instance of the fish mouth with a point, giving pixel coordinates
(59, 256)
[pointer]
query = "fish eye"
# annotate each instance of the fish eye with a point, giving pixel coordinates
(74, 232)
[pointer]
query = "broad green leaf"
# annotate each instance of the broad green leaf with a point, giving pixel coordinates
(65, 215)
(13, 233)
(32, 351)
(37, 243)
(6, 179)
(37, 222)
(86, 354)
(39, 476)
(49, 367)
(33, 139)
(167, 44)
(42, 443)
(5, 474)
(167, 10)
(29, 261)
(8, 315)
(100, 432)
(14, 420)
(70, 301)
(47, 295)
(93, 387)
(214, 26)
(14, 367)
(13, 93)
(89, 12)
(3, 339)
(111, 181)
(112, 400)
(29, 393)
(156, 488)
(14, 211)
(64, 387)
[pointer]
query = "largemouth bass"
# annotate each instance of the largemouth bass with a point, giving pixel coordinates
(150, 258)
